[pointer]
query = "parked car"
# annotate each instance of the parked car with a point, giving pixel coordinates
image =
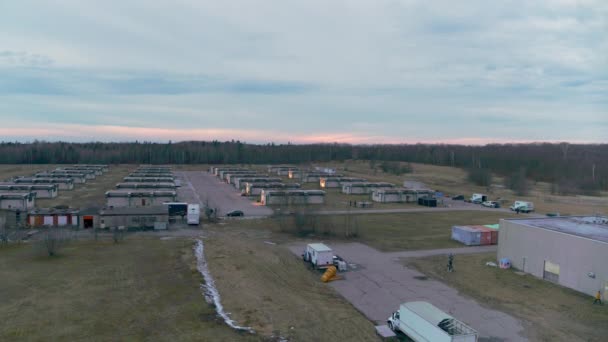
(458, 198)
(235, 213)
(491, 204)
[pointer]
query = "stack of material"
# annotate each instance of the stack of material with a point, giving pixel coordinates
(475, 235)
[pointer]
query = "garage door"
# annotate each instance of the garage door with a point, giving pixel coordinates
(48, 220)
(551, 272)
(62, 220)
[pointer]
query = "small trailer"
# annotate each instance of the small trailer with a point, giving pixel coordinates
(478, 198)
(319, 255)
(422, 321)
(522, 206)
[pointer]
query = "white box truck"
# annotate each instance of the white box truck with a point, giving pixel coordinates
(422, 321)
(194, 214)
(523, 206)
(478, 198)
(319, 255)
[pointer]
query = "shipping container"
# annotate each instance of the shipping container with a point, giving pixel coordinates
(466, 235)
(489, 236)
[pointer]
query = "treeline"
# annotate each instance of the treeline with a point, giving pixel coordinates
(568, 166)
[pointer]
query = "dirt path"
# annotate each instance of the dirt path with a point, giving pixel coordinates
(379, 283)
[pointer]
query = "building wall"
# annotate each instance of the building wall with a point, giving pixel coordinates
(65, 186)
(132, 221)
(275, 200)
(15, 204)
(528, 248)
(137, 201)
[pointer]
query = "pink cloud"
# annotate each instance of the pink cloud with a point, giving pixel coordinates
(74, 132)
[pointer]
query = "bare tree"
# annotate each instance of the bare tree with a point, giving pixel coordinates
(53, 239)
(118, 234)
(4, 231)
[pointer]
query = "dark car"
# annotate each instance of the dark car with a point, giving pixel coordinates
(235, 213)
(458, 198)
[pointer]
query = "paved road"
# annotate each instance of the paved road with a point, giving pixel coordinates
(408, 210)
(202, 187)
(380, 283)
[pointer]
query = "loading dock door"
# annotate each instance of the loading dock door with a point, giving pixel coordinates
(48, 220)
(88, 221)
(62, 220)
(551, 272)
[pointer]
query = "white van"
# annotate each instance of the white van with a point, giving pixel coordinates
(194, 214)
(523, 206)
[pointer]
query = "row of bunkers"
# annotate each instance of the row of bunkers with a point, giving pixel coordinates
(146, 186)
(20, 193)
(272, 190)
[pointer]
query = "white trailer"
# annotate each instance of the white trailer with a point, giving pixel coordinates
(422, 321)
(319, 255)
(522, 206)
(478, 198)
(194, 213)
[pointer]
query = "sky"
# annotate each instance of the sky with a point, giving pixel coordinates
(375, 71)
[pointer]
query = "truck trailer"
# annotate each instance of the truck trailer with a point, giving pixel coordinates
(319, 255)
(423, 322)
(522, 206)
(194, 214)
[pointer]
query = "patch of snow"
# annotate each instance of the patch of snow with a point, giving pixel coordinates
(211, 293)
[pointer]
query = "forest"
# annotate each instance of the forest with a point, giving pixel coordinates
(570, 167)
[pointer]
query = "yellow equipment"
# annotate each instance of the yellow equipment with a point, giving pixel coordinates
(330, 274)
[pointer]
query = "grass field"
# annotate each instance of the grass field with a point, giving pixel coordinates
(10, 171)
(390, 232)
(549, 312)
(140, 289)
(265, 286)
(452, 181)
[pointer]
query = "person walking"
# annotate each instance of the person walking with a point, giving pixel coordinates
(598, 298)
(451, 262)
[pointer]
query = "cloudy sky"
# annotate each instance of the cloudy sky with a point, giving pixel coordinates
(304, 71)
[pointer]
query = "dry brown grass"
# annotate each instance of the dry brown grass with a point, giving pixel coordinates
(143, 289)
(549, 312)
(265, 286)
(454, 181)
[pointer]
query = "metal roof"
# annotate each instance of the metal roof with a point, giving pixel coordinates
(17, 195)
(139, 193)
(151, 210)
(591, 227)
(319, 247)
(53, 211)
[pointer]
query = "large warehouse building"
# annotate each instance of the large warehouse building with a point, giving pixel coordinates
(570, 251)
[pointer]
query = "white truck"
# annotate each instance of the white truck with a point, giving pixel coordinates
(522, 206)
(194, 214)
(319, 255)
(478, 198)
(423, 322)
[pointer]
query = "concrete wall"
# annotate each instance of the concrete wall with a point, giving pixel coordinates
(132, 221)
(299, 199)
(14, 204)
(529, 247)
